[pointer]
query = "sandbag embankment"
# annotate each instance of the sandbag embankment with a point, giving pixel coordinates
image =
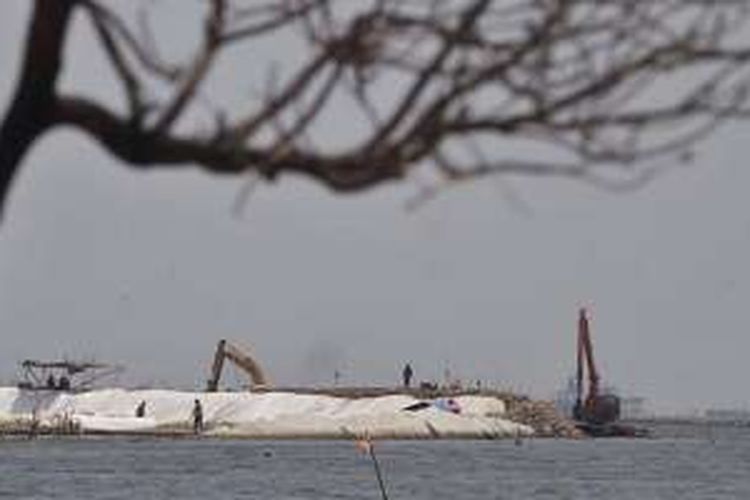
(263, 415)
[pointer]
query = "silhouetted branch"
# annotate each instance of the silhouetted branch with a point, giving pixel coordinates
(452, 85)
(33, 102)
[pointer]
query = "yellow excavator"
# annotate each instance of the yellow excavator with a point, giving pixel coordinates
(228, 351)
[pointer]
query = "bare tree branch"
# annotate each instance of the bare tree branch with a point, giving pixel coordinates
(145, 149)
(33, 103)
(145, 55)
(454, 86)
(127, 76)
(214, 26)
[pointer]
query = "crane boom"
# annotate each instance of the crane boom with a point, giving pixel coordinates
(585, 345)
(579, 375)
(226, 350)
(596, 408)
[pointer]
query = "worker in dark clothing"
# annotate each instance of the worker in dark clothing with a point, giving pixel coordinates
(407, 374)
(51, 382)
(64, 383)
(140, 410)
(197, 417)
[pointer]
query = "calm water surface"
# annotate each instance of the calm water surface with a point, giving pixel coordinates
(694, 464)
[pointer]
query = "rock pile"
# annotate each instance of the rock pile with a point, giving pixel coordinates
(543, 417)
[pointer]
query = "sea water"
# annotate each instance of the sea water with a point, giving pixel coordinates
(696, 463)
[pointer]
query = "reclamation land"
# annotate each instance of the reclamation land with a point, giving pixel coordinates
(345, 413)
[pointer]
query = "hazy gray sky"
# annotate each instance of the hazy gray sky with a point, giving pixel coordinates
(150, 270)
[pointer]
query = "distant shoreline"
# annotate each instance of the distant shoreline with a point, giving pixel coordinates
(689, 420)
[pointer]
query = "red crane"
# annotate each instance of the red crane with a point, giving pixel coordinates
(596, 408)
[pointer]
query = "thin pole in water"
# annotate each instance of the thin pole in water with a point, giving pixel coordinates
(377, 472)
(365, 445)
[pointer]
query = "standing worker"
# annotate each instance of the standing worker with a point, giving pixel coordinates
(140, 410)
(197, 417)
(407, 374)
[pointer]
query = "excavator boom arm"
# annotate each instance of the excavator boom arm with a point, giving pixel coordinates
(225, 350)
(596, 409)
(579, 370)
(585, 348)
(246, 363)
(216, 367)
